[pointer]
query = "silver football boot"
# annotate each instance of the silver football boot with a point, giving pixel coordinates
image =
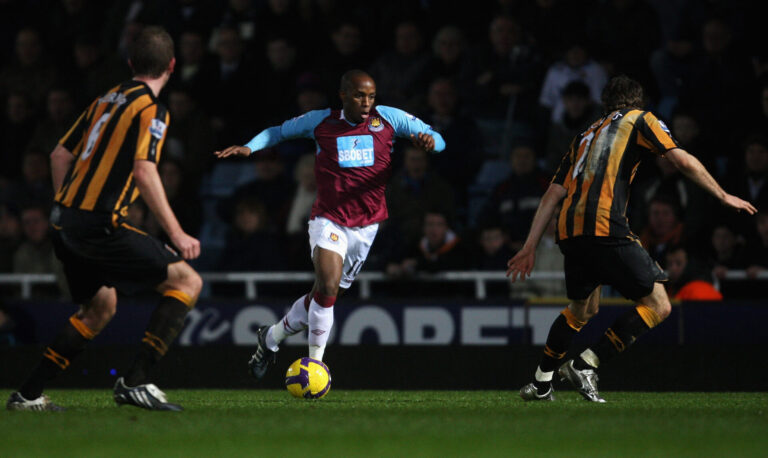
(530, 393)
(584, 381)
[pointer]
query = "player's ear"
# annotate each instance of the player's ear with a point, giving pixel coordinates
(172, 65)
(130, 64)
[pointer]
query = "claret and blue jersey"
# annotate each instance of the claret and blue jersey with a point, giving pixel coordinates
(353, 161)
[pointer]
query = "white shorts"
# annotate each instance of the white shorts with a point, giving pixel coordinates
(351, 243)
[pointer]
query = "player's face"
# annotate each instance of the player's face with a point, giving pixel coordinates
(358, 99)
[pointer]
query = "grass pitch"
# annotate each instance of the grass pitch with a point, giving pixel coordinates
(393, 423)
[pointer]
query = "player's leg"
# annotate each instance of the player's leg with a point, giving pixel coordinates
(583, 289)
(328, 270)
(634, 274)
(179, 292)
(649, 312)
(81, 328)
(561, 334)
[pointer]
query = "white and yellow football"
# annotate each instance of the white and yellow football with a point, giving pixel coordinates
(308, 378)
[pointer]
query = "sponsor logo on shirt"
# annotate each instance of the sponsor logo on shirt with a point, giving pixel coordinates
(664, 127)
(118, 98)
(375, 125)
(157, 128)
(355, 151)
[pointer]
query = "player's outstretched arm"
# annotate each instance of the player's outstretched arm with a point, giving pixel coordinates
(233, 151)
(522, 263)
(153, 193)
(695, 170)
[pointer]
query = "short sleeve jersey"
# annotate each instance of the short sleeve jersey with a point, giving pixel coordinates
(599, 168)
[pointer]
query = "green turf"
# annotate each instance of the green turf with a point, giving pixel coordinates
(393, 423)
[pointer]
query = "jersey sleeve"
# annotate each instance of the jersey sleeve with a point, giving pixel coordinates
(74, 136)
(563, 174)
(299, 127)
(406, 124)
(654, 135)
(153, 124)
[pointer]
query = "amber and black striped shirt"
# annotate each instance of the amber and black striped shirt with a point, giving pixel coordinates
(600, 166)
(122, 126)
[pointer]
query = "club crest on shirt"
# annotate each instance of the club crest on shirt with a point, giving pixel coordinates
(334, 237)
(375, 125)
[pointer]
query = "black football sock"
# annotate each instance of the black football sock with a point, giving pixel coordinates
(165, 324)
(56, 357)
(623, 333)
(559, 340)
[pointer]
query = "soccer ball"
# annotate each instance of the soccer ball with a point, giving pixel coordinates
(308, 378)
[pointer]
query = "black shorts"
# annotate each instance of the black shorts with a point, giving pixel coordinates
(618, 262)
(96, 254)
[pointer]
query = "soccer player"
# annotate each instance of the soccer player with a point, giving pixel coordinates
(352, 166)
(593, 233)
(99, 168)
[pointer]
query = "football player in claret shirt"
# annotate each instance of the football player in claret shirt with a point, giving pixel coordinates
(352, 166)
(593, 233)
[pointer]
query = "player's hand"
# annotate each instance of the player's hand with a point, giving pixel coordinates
(188, 246)
(233, 151)
(521, 264)
(738, 204)
(423, 141)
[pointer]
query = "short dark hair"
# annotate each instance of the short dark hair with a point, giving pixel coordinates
(152, 52)
(622, 92)
(346, 78)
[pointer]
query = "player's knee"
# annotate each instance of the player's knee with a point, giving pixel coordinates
(194, 283)
(664, 309)
(328, 288)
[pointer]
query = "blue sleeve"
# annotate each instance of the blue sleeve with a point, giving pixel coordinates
(406, 124)
(299, 127)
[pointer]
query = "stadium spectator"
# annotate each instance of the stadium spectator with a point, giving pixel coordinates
(576, 65)
(687, 131)
(687, 281)
(439, 249)
(725, 76)
(494, 250)
(399, 71)
(190, 137)
(94, 70)
(35, 254)
(551, 22)
(60, 114)
(579, 111)
(663, 229)
(449, 56)
(515, 200)
(16, 132)
(309, 93)
(752, 183)
(757, 248)
(461, 159)
(244, 16)
(188, 211)
(345, 53)
(612, 29)
(30, 72)
(228, 87)
(504, 71)
(692, 201)
(35, 184)
(10, 235)
(727, 251)
(280, 75)
(549, 258)
(271, 185)
(413, 191)
(252, 244)
(193, 59)
(303, 196)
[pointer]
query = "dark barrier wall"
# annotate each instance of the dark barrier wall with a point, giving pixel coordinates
(418, 345)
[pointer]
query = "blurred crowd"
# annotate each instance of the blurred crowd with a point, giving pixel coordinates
(508, 83)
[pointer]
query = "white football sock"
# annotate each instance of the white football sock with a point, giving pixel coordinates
(320, 324)
(590, 358)
(543, 376)
(292, 323)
